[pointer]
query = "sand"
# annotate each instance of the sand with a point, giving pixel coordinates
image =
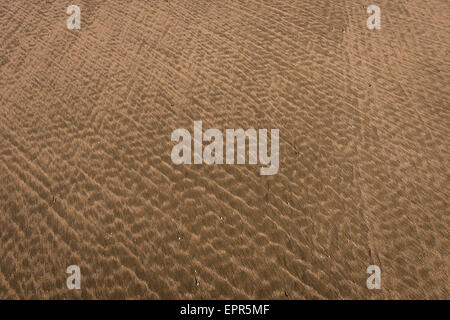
(86, 176)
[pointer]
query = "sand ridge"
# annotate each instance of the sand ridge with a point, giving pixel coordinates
(86, 176)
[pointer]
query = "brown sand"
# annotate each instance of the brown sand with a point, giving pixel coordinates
(86, 176)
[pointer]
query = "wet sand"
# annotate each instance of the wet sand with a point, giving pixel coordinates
(86, 176)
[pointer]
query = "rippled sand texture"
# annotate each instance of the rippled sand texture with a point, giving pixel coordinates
(86, 176)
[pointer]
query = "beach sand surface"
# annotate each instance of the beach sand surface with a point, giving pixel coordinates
(86, 176)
